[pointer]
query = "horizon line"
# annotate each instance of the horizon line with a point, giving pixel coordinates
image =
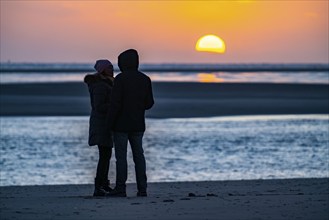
(166, 67)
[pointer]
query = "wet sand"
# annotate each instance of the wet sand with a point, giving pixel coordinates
(173, 100)
(249, 199)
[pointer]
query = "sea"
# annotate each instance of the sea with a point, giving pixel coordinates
(176, 149)
(211, 73)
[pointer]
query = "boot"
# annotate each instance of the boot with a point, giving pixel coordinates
(99, 188)
(116, 192)
(142, 194)
(106, 186)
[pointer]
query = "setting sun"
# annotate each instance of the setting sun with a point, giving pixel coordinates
(210, 43)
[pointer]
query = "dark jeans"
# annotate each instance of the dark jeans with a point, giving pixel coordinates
(120, 146)
(105, 153)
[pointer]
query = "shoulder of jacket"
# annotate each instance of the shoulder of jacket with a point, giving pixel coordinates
(91, 78)
(120, 75)
(144, 75)
(147, 77)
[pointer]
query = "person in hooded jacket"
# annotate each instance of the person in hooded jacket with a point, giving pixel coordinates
(100, 86)
(131, 96)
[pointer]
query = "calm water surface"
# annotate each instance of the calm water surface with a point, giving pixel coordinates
(244, 73)
(215, 77)
(53, 150)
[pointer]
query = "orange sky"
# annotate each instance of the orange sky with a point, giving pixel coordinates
(164, 31)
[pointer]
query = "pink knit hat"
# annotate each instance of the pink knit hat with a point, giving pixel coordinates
(102, 65)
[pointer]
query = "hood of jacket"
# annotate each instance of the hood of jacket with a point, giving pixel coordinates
(128, 60)
(94, 78)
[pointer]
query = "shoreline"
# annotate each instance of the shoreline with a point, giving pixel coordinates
(172, 99)
(305, 198)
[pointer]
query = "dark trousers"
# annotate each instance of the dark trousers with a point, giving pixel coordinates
(105, 153)
(120, 146)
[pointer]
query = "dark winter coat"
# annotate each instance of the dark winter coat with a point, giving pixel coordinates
(131, 95)
(100, 96)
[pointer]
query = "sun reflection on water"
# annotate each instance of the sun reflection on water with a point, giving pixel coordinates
(209, 78)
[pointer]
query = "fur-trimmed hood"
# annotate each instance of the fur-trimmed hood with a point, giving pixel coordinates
(95, 78)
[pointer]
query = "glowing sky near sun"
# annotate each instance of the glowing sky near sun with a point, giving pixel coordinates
(164, 31)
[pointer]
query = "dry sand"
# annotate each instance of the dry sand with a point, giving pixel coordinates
(173, 99)
(257, 199)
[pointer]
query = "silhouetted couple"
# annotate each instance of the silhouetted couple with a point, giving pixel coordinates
(118, 115)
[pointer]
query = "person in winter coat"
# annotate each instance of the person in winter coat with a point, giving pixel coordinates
(131, 96)
(100, 86)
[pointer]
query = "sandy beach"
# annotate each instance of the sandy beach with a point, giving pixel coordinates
(250, 199)
(173, 100)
